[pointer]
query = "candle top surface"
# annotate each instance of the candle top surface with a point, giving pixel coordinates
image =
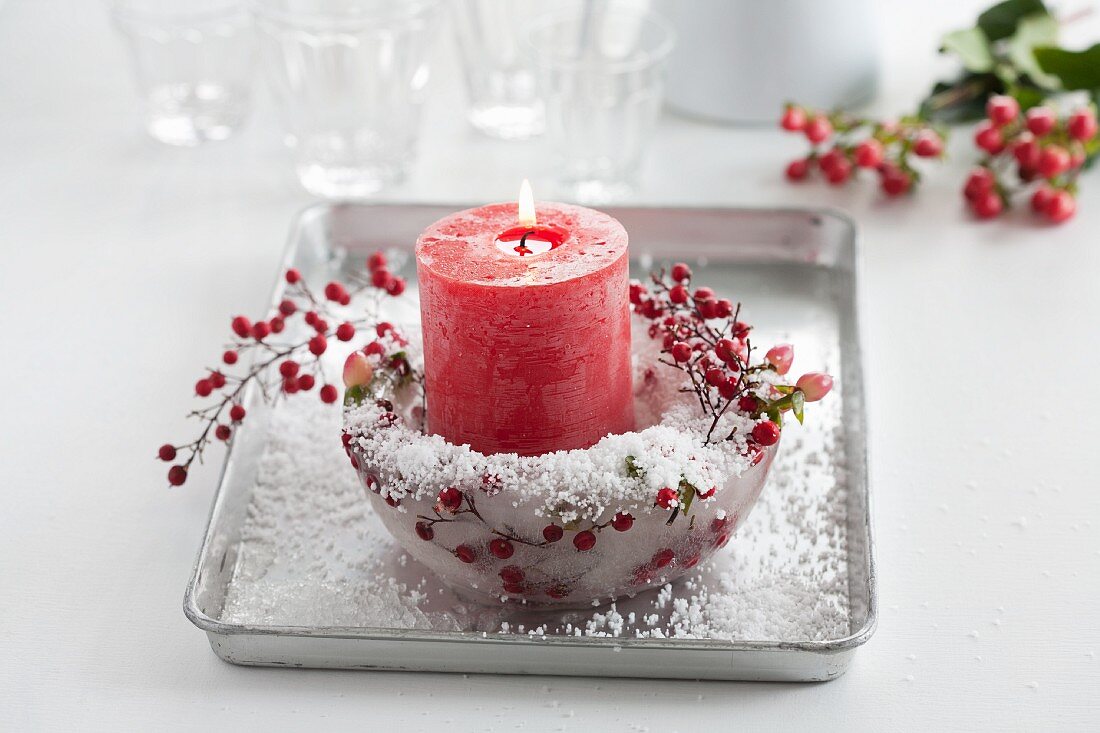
(463, 246)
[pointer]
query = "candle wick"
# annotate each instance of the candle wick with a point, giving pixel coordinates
(522, 248)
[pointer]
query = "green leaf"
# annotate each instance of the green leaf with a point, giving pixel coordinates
(1033, 31)
(633, 470)
(784, 388)
(1075, 69)
(355, 395)
(687, 495)
(1000, 21)
(972, 48)
(960, 101)
(798, 404)
(775, 415)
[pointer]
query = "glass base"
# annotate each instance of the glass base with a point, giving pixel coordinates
(350, 164)
(508, 122)
(597, 191)
(191, 114)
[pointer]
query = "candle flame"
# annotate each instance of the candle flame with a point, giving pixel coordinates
(526, 204)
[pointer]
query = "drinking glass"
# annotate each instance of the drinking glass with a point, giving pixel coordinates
(500, 76)
(193, 61)
(601, 74)
(348, 77)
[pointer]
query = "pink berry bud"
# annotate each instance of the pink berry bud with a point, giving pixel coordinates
(814, 385)
(357, 370)
(780, 357)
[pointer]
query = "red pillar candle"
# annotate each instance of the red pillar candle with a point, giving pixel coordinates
(526, 335)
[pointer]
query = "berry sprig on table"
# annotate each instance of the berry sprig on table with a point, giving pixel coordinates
(841, 144)
(285, 366)
(1036, 153)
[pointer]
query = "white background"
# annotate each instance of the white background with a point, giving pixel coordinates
(122, 259)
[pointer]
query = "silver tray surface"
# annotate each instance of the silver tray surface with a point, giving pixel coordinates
(764, 256)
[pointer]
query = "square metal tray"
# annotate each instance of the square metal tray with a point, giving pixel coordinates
(778, 260)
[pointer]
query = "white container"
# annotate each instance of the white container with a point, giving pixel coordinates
(741, 60)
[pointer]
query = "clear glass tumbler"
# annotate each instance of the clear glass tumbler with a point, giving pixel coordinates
(348, 77)
(194, 65)
(601, 74)
(499, 71)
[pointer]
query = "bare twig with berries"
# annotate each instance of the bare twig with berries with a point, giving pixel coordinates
(287, 367)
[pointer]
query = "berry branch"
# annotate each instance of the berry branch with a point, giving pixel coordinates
(286, 367)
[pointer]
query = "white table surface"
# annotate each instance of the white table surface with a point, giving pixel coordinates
(122, 260)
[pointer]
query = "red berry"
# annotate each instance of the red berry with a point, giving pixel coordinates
(663, 558)
(241, 326)
(747, 403)
(798, 169)
(678, 294)
(450, 498)
(345, 331)
(765, 432)
(222, 432)
(290, 386)
(261, 330)
(305, 382)
(329, 394)
(380, 278)
(707, 307)
(869, 154)
(621, 522)
(230, 357)
(928, 144)
(794, 119)
(501, 548)
(584, 541)
(177, 475)
(465, 553)
(288, 368)
(989, 138)
(311, 317)
(1027, 152)
(217, 379)
(511, 575)
(1040, 120)
(376, 261)
(373, 348)
(726, 349)
(1082, 125)
(1053, 161)
(335, 291)
(681, 351)
(293, 276)
(1002, 109)
(1062, 206)
(723, 308)
(167, 452)
(818, 129)
(320, 325)
(1040, 200)
(317, 345)
(667, 497)
(552, 533)
(988, 205)
(980, 181)
(690, 561)
(830, 159)
(728, 389)
(277, 324)
(681, 272)
(383, 328)
(236, 413)
(839, 172)
(203, 388)
(895, 182)
(704, 495)
(557, 591)
(424, 531)
(396, 286)
(715, 377)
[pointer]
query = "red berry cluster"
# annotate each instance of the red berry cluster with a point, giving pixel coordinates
(1022, 149)
(842, 144)
(278, 366)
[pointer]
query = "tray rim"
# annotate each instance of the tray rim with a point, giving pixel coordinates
(851, 641)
